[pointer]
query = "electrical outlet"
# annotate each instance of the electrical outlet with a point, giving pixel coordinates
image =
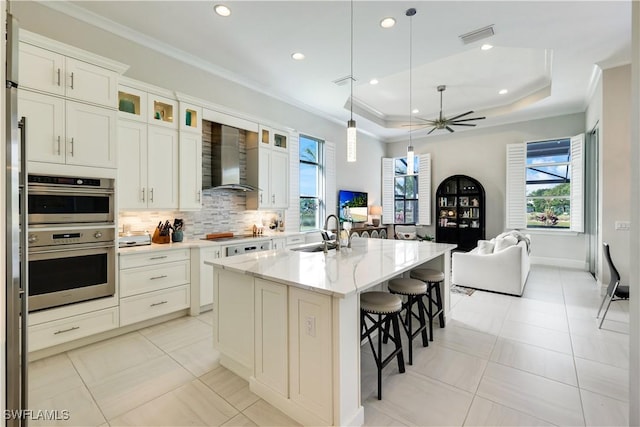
(623, 225)
(310, 325)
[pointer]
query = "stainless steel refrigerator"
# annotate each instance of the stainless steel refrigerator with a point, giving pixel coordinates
(16, 248)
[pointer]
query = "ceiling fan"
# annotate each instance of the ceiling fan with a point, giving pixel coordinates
(443, 123)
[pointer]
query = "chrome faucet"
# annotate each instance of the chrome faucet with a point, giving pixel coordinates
(326, 235)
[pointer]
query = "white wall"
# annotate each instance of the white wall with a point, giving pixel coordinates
(481, 154)
(615, 155)
(153, 67)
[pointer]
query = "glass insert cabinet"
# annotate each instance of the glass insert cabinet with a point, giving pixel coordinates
(460, 211)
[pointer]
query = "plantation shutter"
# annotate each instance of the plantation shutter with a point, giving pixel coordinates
(330, 192)
(387, 191)
(516, 197)
(577, 183)
(424, 190)
(292, 213)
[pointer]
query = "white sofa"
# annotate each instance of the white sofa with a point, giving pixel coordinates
(504, 271)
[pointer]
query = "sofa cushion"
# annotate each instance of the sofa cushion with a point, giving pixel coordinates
(485, 247)
(503, 243)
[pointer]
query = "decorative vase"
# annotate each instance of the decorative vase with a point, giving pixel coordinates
(177, 236)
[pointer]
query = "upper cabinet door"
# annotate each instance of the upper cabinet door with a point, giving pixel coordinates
(41, 69)
(44, 116)
(279, 184)
(90, 83)
(190, 171)
(162, 168)
(91, 135)
(132, 165)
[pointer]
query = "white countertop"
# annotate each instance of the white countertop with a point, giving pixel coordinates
(338, 273)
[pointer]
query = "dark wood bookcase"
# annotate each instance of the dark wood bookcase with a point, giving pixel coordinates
(460, 211)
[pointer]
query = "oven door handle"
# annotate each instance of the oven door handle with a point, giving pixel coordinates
(71, 248)
(43, 191)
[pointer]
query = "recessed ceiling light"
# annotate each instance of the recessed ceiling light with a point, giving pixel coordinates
(415, 111)
(503, 91)
(373, 82)
(298, 56)
(387, 22)
(222, 10)
(486, 47)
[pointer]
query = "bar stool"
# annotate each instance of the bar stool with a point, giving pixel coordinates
(414, 290)
(381, 308)
(432, 278)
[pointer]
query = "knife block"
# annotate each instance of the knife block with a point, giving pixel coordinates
(157, 238)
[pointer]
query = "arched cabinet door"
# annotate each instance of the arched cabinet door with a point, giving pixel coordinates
(383, 234)
(364, 234)
(374, 234)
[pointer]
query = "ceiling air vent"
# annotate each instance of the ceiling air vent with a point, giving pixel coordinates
(479, 34)
(343, 81)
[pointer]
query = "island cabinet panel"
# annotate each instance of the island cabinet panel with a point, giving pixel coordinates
(272, 362)
(310, 352)
(234, 300)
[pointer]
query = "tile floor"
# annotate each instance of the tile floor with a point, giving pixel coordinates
(535, 360)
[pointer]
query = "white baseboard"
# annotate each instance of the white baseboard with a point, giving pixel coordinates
(560, 262)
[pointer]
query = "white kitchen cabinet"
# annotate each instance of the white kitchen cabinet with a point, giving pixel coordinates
(310, 351)
(278, 243)
(162, 167)
(51, 72)
(68, 132)
(234, 330)
(206, 272)
(271, 339)
(268, 169)
(148, 171)
(153, 284)
(72, 328)
(190, 171)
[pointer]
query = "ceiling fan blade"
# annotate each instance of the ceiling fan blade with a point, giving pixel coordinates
(462, 124)
(461, 115)
(466, 120)
(431, 131)
(449, 129)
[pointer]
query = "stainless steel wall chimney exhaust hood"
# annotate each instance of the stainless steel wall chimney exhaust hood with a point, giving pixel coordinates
(225, 159)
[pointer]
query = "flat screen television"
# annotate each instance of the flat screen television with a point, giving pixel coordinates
(352, 206)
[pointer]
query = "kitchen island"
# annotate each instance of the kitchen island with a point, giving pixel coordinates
(288, 321)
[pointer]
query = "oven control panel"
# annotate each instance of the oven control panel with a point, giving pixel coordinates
(70, 237)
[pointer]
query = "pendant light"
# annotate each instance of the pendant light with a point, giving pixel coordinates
(410, 13)
(351, 124)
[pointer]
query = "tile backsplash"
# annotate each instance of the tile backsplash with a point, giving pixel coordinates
(222, 211)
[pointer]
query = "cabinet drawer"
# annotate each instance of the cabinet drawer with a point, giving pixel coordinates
(295, 240)
(71, 328)
(153, 304)
(134, 281)
(152, 258)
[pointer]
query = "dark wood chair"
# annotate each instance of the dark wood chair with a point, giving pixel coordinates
(615, 291)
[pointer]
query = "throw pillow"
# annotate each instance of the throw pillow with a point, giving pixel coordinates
(485, 247)
(505, 242)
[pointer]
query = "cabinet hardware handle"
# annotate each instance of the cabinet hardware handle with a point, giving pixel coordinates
(73, 328)
(273, 199)
(158, 303)
(72, 147)
(58, 76)
(71, 80)
(143, 194)
(199, 195)
(151, 195)
(260, 197)
(159, 277)
(58, 145)
(158, 257)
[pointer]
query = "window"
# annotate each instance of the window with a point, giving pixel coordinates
(544, 186)
(311, 183)
(405, 192)
(548, 175)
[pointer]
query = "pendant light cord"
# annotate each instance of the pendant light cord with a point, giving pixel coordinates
(351, 79)
(410, 79)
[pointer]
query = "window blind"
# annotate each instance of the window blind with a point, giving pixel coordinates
(387, 191)
(516, 197)
(330, 192)
(424, 190)
(577, 183)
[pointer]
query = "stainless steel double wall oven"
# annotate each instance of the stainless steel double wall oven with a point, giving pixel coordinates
(71, 240)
